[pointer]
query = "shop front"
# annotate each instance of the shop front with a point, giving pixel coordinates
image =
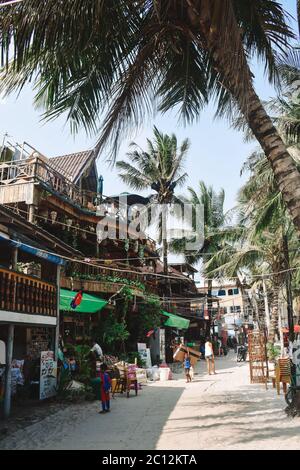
(76, 324)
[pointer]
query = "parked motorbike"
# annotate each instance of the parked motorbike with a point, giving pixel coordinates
(242, 353)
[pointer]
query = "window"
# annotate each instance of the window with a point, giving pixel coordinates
(221, 292)
(233, 291)
(235, 309)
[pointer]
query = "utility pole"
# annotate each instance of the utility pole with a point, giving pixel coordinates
(3, 144)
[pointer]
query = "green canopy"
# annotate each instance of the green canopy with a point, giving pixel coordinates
(89, 304)
(175, 321)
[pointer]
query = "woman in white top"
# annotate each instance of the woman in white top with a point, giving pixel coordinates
(209, 356)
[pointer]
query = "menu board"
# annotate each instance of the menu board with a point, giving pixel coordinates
(48, 375)
(144, 353)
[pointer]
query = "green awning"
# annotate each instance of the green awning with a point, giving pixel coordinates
(175, 321)
(89, 304)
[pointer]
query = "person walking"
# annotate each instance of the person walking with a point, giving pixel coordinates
(210, 357)
(187, 367)
(105, 388)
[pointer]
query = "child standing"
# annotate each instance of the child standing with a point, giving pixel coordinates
(105, 388)
(187, 367)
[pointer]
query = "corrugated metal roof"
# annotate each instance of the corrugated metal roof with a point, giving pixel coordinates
(71, 165)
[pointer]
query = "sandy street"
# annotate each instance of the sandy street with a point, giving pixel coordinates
(213, 412)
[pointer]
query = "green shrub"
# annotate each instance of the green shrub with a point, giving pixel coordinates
(273, 351)
(131, 356)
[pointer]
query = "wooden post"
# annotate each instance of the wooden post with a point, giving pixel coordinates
(9, 355)
(31, 214)
(14, 261)
(57, 311)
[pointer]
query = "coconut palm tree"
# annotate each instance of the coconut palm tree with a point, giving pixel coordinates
(160, 168)
(87, 57)
(214, 229)
(266, 212)
(265, 239)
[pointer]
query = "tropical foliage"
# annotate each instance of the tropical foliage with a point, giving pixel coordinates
(210, 234)
(160, 168)
(125, 58)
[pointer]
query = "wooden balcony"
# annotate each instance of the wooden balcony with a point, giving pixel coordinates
(25, 294)
(18, 177)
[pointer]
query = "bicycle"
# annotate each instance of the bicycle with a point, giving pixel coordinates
(291, 394)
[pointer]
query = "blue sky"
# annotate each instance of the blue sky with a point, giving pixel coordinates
(216, 155)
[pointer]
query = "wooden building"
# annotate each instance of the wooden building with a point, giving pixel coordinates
(59, 198)
(30, 263)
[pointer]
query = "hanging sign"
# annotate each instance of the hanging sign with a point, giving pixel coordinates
(48, 375)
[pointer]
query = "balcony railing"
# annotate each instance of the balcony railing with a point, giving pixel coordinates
(36, 169)
(25, 294)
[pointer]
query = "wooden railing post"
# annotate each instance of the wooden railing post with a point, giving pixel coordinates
(58, 274)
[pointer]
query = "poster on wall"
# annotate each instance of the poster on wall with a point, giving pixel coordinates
(48, 375)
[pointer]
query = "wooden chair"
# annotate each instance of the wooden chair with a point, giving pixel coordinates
(131, 379)
(124, 379)
(282, 374)
(119, 383)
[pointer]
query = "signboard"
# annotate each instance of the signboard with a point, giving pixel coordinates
(48, 375)
(144, 353)
(162, 344)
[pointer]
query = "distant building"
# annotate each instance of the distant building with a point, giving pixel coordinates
(230, 304)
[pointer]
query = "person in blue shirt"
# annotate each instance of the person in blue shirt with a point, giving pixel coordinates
(187, 367)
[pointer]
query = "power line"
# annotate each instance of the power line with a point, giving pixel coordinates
(251, 276)
(79, 229)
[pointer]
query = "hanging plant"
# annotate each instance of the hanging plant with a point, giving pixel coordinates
(127, 297)
(141, 252)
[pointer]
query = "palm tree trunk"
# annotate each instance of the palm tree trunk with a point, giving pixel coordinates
(286, 174)
(165, 255)
(209, 307)
(266, 302)
(224, 44)
(298, 14)
(288, 286)
(274, 312)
